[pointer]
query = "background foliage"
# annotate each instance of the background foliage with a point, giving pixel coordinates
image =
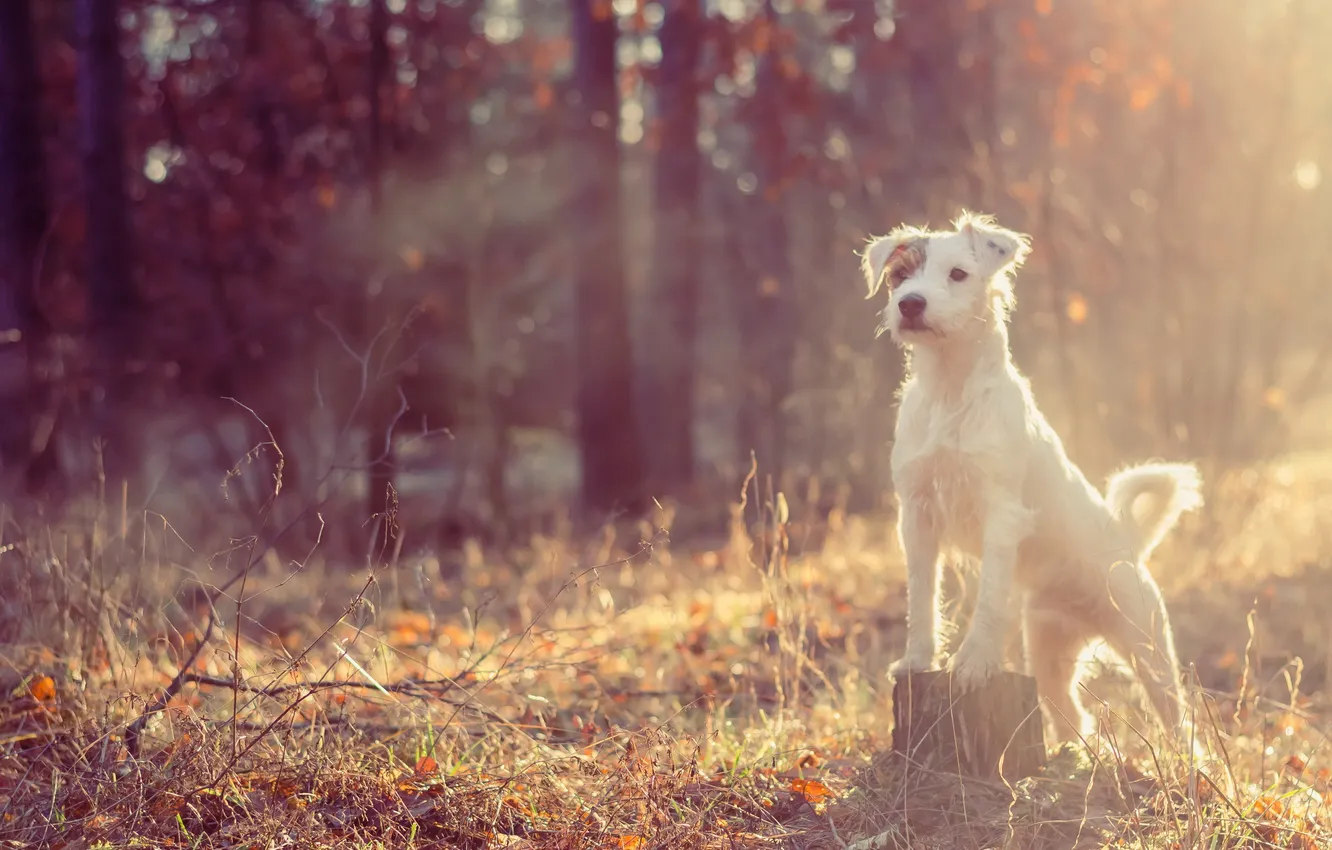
(322, 203)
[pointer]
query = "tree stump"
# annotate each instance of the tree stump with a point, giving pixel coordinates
(994, 731)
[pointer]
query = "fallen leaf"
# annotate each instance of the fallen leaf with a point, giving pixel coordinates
(43, 690)
(426, 765)
(1268, 807)
(814, 791)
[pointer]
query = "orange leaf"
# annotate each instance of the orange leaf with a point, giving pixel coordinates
(412, 257)
(1077, 308)
(1290, 723)
(1061, 135)
(762, 37)
(629, 842)
(426, 765)
(1144, 95)
(815, 792)
(43, 690)
(1269, 807)
(769, 619)
(1044, 7)
(1296, 763)
(544, 95)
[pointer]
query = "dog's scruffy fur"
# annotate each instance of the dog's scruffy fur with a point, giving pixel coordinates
(978, 470)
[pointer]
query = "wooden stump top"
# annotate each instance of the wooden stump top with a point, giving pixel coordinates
(992, 732)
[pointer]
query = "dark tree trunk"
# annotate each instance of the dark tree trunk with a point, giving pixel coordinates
(608, 436)
(24, 218)
(880, 81)
(951, 99)
(270, 154)
(767, 314)
(673, 329)
(381, 392)
(101, 86)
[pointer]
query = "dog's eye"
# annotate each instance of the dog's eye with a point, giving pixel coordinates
(957, 275)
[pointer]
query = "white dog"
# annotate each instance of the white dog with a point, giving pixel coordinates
(978, 470)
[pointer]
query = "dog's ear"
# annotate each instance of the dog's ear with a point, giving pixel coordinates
(883, 250)
(995, 247)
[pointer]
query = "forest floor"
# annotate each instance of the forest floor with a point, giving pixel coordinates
(632, 690)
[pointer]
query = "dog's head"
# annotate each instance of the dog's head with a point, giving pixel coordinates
(941, 282)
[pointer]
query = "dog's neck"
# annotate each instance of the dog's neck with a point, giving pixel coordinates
(945, 364)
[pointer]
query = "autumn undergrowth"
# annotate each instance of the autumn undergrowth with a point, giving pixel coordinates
(631, 689)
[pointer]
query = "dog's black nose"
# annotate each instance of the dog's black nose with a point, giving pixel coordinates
(911, 306)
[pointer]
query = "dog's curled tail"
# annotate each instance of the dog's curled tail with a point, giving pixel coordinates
(1151, 498)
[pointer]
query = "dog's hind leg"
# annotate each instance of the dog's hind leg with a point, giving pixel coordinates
(1053, 643)
(1138, 629)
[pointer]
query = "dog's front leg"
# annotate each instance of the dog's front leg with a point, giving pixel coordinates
(918, 532)
(981, 653)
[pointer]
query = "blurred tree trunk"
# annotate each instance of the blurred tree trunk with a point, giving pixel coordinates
(24, 219)
(951, 99)
(608, 435)
(676, 263)
(110, 270)
(766, 303)
(380, 392)
(270, 153)
(879, 83)
(281, 414)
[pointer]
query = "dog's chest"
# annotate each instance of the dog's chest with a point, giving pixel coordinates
(945, 472)
(954, 487)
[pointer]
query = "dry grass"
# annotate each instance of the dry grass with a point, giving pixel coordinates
(672, 695)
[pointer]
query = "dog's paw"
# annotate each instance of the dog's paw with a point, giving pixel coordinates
(910, 663)
(972, 668)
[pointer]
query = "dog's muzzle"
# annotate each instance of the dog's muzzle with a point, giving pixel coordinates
(912, 310)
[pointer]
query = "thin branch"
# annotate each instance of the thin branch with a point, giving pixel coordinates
(133, 735)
